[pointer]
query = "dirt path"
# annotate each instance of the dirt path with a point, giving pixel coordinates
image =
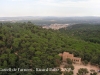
(89, 67)
(78, 66)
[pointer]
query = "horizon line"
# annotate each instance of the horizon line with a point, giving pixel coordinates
(47, 16)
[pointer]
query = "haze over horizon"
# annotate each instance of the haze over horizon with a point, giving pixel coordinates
(60, 8)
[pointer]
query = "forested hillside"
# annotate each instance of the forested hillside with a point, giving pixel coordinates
(89, 33)
(24, 45)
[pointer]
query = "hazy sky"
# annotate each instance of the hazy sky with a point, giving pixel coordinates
(9, 8)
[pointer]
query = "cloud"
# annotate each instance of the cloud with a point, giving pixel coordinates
(51, 7)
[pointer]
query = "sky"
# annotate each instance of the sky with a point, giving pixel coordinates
(60, 8)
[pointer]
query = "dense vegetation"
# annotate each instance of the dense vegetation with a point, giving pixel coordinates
(24, 45)
(89, 33)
